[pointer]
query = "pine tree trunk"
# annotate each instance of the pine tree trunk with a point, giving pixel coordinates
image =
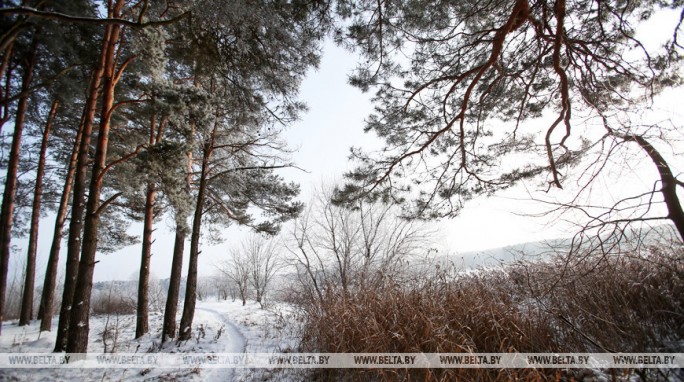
(191, 282)
(6, 58)
(7, 209)
(78, 203)
(169, 330)
(669, 181)
(30, 277)
(142, 322)
(142, 325)
(50, 283)
(6, 71)
(77, 340)
(173, 294)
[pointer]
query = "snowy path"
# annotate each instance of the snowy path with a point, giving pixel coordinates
(228, 326)
(232, 340)
(237, 342)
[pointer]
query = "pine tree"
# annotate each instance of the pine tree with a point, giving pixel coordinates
(78, 200)
(6, 213)
(29, 280)
(456, 115)
(259, 54)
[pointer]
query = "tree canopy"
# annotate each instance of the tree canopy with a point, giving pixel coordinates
(472, 97)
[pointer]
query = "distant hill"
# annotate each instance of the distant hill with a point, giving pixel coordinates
(540, 249)
(498, 256)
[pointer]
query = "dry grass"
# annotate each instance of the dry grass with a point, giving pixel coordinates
(112, 302)
(627, 304)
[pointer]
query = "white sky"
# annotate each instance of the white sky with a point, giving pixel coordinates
(323, 137)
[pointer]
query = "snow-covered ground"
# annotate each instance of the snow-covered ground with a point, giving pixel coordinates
(218, 327)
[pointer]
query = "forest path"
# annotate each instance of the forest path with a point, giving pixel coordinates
(231, 340)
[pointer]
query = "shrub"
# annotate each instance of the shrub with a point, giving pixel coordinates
(627, 304)
(112, 302)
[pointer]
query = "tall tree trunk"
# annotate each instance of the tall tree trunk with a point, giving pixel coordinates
(29, 280)
(7, 209)
(171, 309)
(142, 325)
(169, 329)
(78, 203)
(77, 340)
(50, 283)
(191, 282)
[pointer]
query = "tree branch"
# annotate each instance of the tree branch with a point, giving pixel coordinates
(120, 160)
(28, 11)
(107, 202)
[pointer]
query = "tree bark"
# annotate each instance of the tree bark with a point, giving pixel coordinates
(7, 209)
(5, 62)
(29, 281)
(670, 183)
(142, 324)
(191, 282)
(171, 309)
(50, 283)
(6, 71)
(78, 203)
(77, 340)
(169, 330)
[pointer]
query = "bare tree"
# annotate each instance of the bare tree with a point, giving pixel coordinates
(222, 287)
(334, 248)
(237, 270)
(157, 294)
(263, 263)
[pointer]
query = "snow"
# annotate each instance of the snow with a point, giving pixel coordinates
(218, 327)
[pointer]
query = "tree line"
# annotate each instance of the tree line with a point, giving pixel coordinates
(153, 108)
